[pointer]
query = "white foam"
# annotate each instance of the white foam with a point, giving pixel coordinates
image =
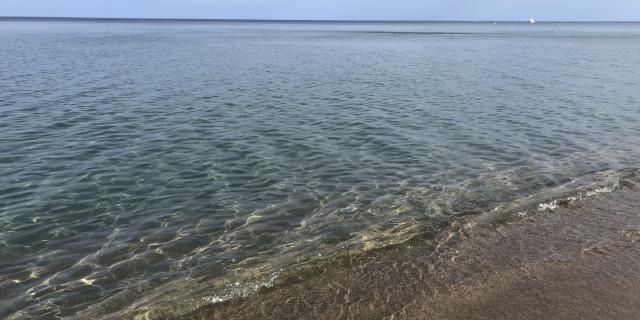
(240, 290)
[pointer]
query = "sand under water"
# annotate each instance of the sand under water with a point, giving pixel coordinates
(572, 259)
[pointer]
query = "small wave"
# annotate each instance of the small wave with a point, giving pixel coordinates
(581, 195)
(242, 290)
(568, 194)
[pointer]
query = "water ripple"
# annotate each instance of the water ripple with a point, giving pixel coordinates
(140, 163)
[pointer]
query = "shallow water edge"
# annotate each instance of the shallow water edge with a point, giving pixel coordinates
(562, 254)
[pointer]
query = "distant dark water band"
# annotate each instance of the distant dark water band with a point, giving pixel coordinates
(107, 19)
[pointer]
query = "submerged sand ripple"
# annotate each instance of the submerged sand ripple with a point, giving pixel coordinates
(581, 261)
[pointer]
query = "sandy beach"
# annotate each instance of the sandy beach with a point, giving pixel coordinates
(581, 261)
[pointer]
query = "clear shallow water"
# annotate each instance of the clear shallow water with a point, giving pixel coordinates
(143, 161)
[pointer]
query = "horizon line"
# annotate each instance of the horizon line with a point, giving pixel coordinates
(297, 20)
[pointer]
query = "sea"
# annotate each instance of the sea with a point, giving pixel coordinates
(149, 164)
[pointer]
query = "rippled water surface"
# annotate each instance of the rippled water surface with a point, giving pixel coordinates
(142, 161)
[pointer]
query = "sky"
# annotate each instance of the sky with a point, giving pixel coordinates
(566, 10)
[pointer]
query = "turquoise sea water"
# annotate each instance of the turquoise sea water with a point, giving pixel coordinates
(142, 161)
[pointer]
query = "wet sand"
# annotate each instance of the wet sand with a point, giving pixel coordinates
(581, 261)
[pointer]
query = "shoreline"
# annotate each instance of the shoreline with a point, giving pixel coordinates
(577, 261)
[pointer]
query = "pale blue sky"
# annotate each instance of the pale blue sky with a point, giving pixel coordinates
(331, 9)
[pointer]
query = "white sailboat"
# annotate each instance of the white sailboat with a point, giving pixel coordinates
(532, 20)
